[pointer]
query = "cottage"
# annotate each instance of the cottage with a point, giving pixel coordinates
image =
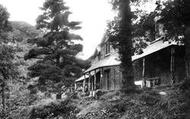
(160, 63)
(104, 72)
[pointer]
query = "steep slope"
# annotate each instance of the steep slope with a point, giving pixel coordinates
(21, 32)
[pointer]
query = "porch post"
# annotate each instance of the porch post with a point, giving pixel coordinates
(84, 85)
(85, 79)
(88, 82)
(143, 73)
(172, 60)
(75, 85)
(95, 79)
(114, 78)
(90, 78)
(101, 77)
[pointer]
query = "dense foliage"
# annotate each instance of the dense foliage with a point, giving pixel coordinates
(8, 68)
(175, 17)
(4, 24)
(54, 109)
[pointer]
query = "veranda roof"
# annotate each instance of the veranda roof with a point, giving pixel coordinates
(108, 61)
(154, 47)
(81, 78)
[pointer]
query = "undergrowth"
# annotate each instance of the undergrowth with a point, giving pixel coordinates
(172, 103)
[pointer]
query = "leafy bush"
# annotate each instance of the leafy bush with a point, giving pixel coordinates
(55, 108)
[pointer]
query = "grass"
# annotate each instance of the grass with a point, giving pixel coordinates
(160, 103)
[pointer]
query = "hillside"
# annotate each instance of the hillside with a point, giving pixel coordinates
(18, 96)
(21, 32)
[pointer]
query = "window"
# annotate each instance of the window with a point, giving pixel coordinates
(99, 56)
(107, 47)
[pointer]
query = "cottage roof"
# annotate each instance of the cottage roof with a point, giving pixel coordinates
(81, 78)
(86, 76)
(154, 47)
(110, 60)
(114, 60)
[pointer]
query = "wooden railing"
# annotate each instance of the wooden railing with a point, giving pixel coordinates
(153, 81)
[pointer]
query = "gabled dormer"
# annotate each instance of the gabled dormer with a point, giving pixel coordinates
(106, 48)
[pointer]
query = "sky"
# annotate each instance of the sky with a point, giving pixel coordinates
(93, 14)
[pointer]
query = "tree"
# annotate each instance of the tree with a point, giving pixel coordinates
(55, 50)
(123, 41)
(145, 27)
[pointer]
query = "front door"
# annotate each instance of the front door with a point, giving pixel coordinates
(107, 78)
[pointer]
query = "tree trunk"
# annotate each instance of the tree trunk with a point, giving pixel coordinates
(58, 61)
(187, 52)
(3, 92)
(143, 73)
(125, 46)
(172, 67)
(3, 100)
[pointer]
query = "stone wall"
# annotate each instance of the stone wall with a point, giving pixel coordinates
(114, 81)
